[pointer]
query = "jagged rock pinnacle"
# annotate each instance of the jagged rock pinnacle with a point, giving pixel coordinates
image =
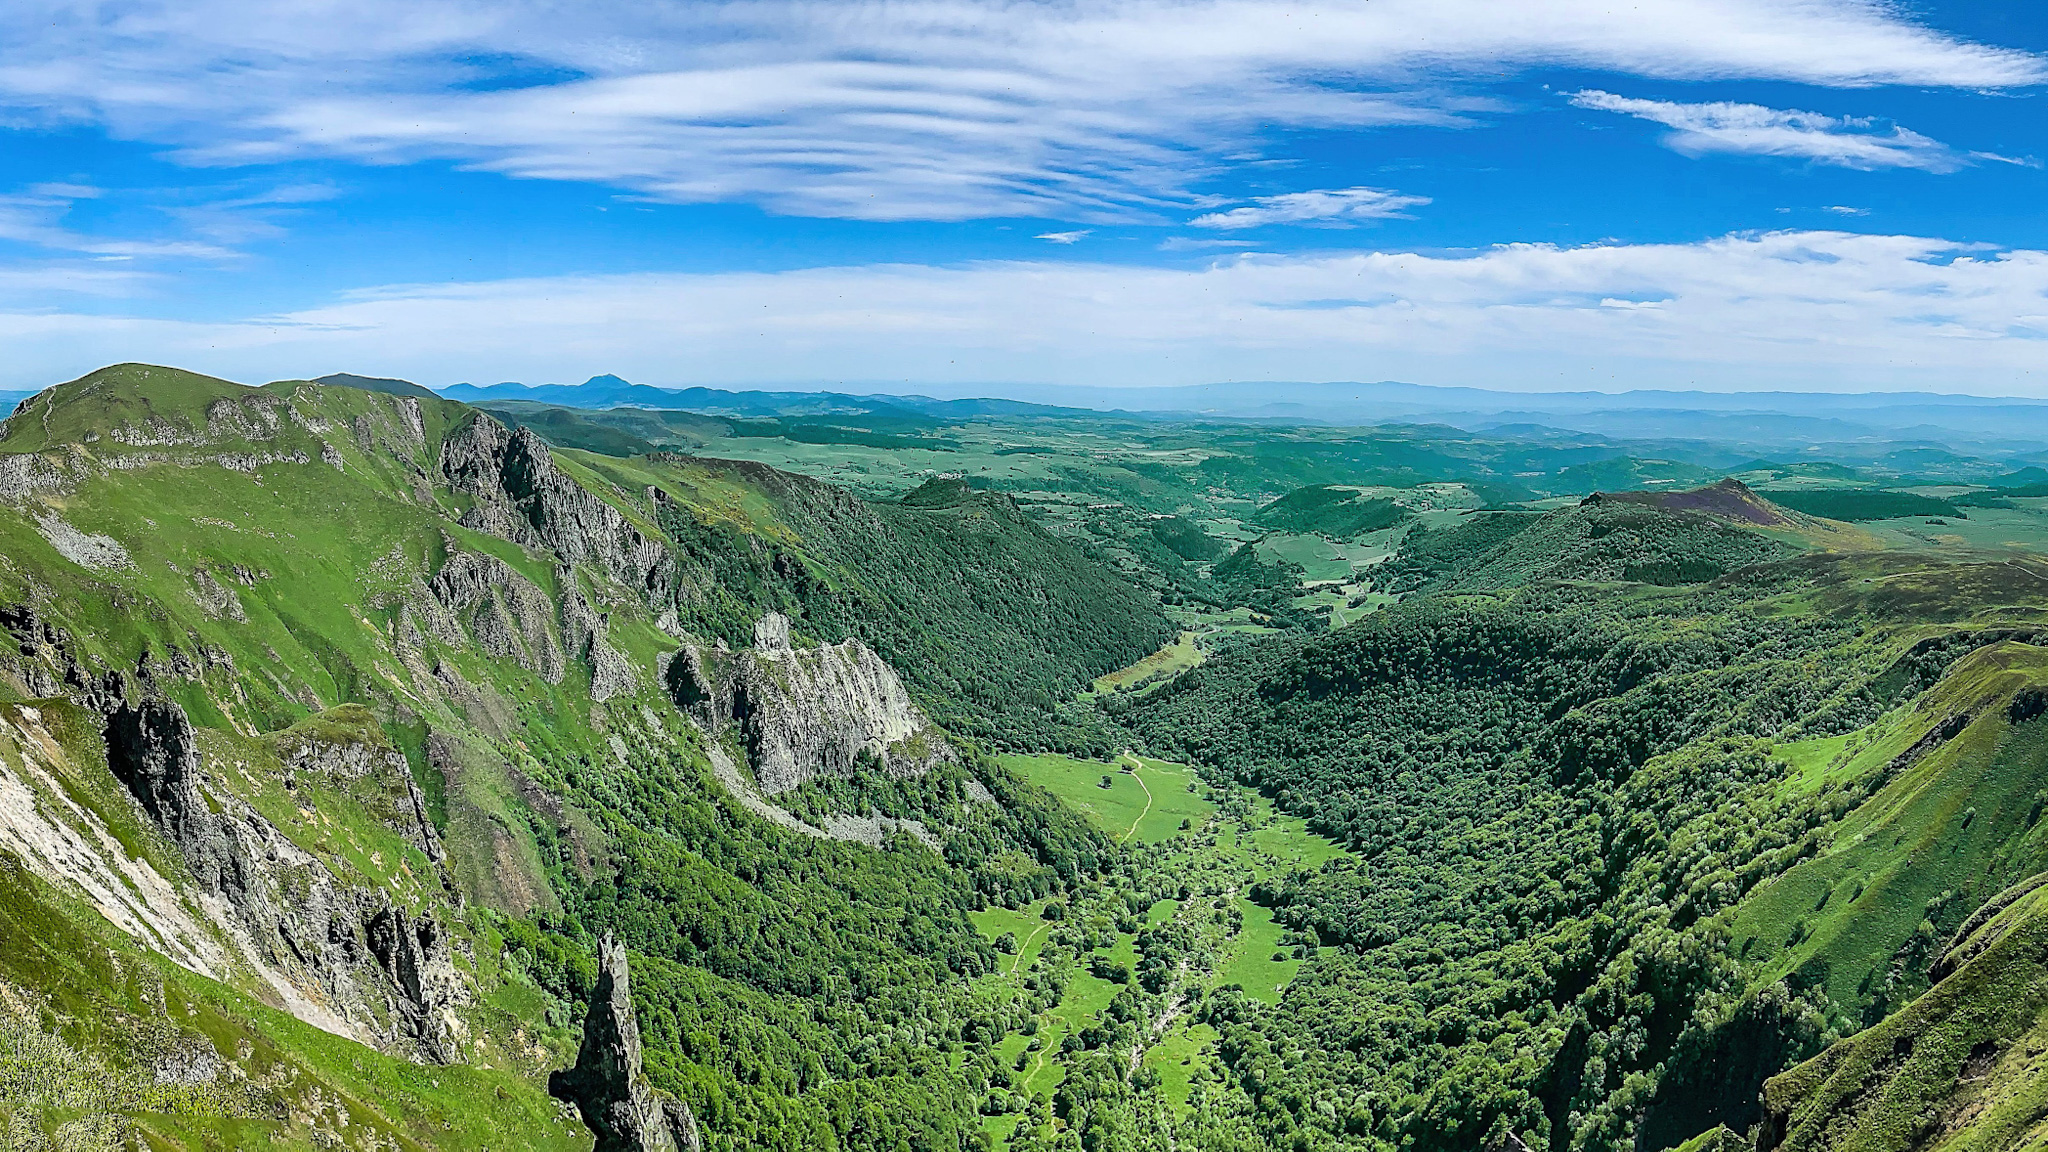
(626, 1113)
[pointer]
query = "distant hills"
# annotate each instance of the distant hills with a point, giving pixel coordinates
(613, 392)
(1773, 423)
(1768, 420)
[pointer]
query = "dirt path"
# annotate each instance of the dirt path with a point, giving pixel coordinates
(1141, 815)
(1024, 944)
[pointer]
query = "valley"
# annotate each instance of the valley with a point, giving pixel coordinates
(1004, 778)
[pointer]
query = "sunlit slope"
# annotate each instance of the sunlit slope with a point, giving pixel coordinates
(1960, 1067)
(105, 1040)
(1956, 821)
(473, 632)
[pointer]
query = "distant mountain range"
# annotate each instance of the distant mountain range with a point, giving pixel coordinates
(1775, 420)
(1772, 421)
(613, 392)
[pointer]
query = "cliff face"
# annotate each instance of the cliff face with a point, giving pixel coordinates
(217, 885)
(806, 712)
(524, 496)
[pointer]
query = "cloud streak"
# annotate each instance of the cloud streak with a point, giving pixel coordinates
(1754, 129)
(919, 109)
(1335, 208)
(1795, 309)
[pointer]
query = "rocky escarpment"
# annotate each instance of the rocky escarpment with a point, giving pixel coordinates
(506, 613)
(801, 713)
(334, 948)
(522, 495)
(342, 955)
(608, 1084)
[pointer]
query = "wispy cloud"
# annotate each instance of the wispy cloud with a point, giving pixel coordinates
(1843, 141)
(1202, 244)
(1064, 237)
(1744, 311)
(36, 218)
(1334, 208)
(1846, 210)
(1092, 109)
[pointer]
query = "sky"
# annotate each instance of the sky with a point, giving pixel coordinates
(945, 197)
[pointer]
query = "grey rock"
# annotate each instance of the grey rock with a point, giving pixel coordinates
(216, 599)
(386, 972)
(85, 549)
(154, 753)
(28, 473)
(524, 496)
(608, 1083)
(507, 613)
(585, 630)
(806, 712)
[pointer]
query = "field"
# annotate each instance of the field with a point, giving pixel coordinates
(1185, 652)
(1147, 800)
(2023, 527)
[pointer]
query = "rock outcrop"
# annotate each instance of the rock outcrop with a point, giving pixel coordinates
(507, 613)
(154, 753)
(522, 495)
(341, 955)
(608, 1084)
(586, 630)
(806, 712)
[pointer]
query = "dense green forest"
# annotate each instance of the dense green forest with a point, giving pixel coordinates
(1553, 802)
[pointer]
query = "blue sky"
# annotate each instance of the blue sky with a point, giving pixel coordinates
(949, 197)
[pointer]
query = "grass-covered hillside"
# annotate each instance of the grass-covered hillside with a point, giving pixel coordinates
(1330, 511)
(352, 706)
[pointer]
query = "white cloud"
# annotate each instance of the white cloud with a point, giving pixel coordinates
(1338, 208)
(35, 218)
(1064, 237)
(1846, 142)
(1088, 109)
(1201, 244)
(1780, 310)
(2021, 161)
(1846, 210)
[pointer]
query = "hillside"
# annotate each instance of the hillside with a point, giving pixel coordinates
(347, 718)
(1340, 513)
(355, 744)
(1640, 537)
(1653, 846)
(1956, 1068)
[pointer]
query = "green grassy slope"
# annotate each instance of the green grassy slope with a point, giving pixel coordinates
(1960, 1067)
(1955, 823)
(263, 557)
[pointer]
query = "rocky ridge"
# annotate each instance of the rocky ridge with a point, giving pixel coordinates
(801, 713)
(233, 892)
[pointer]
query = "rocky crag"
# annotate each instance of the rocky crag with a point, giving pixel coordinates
(522, 495)
(343, 954)
(608, 1085)
(801, 713)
